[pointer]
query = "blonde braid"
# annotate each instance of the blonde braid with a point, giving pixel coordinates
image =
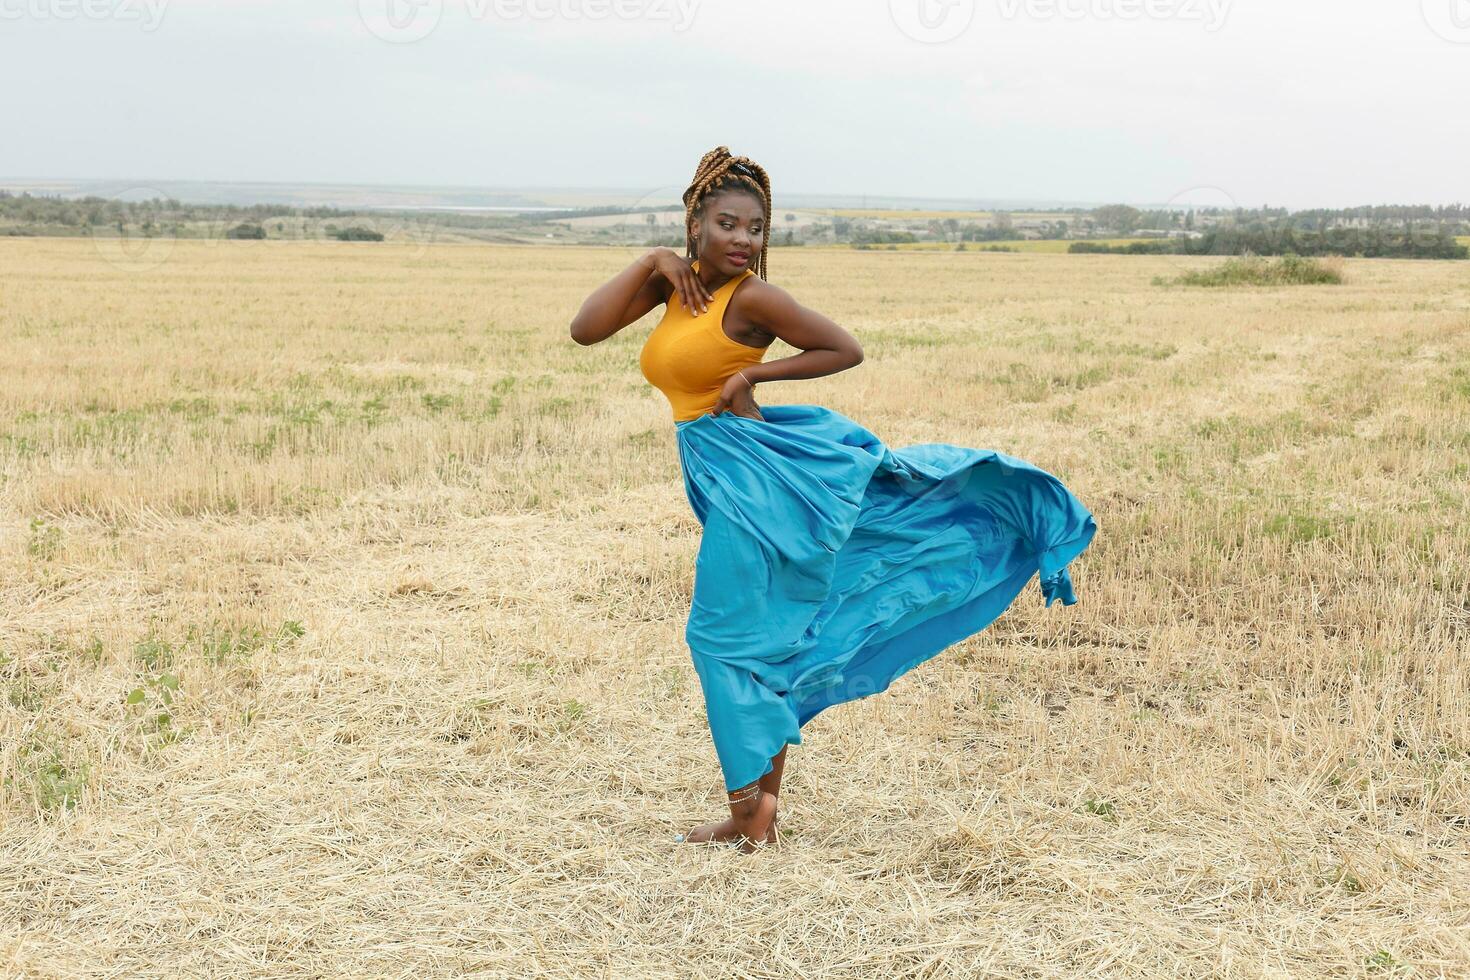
(717, 172)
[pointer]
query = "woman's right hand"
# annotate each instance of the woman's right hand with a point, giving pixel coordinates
(680, 272)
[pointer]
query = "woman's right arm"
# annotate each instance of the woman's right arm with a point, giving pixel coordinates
(633, 292)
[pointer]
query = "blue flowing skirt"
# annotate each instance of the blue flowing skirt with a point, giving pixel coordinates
(830, 564)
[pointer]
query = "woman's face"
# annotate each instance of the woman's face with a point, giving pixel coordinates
(730, 232)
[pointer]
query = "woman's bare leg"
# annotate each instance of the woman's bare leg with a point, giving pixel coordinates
(752, 811)
(771, 783)
(752, 816)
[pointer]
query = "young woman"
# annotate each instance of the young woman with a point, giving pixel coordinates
(829, 564)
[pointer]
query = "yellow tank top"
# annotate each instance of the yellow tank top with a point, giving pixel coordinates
(689, 358)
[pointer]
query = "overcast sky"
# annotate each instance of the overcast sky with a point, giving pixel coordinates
(1288, 102)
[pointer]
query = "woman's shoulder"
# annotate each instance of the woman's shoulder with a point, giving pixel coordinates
(754, 303)
(755, 295)
(753, 289)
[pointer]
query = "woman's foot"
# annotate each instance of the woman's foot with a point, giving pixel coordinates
(754, 826)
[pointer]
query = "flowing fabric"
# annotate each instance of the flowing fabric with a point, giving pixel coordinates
(830, 564)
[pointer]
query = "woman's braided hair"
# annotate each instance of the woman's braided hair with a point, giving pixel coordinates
(719, 171)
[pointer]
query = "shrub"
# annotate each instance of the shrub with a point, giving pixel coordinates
(1252, 270)
(1162, 246)
(358, 234)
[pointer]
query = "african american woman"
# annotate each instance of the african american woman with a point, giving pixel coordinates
(829, 563)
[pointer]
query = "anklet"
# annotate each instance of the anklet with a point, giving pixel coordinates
(741, 795)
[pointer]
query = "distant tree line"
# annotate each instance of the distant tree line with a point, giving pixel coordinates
(1415, 231)
(1429, 242)
(867, 235)
(100, 211)
(58, 215)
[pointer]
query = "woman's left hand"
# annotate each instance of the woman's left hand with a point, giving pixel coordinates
(738, 395)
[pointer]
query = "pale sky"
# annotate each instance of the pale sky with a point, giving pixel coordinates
(1300, 103)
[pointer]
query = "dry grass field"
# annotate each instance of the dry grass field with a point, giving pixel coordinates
(342, 602)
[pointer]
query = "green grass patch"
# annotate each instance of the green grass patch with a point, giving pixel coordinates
(1252, 270)
(1458, 382)
(44, 541)
(217, 644)
(1299, 528)
(1235, 437)
(55, 779)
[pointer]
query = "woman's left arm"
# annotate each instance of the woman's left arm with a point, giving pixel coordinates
(825, 347)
